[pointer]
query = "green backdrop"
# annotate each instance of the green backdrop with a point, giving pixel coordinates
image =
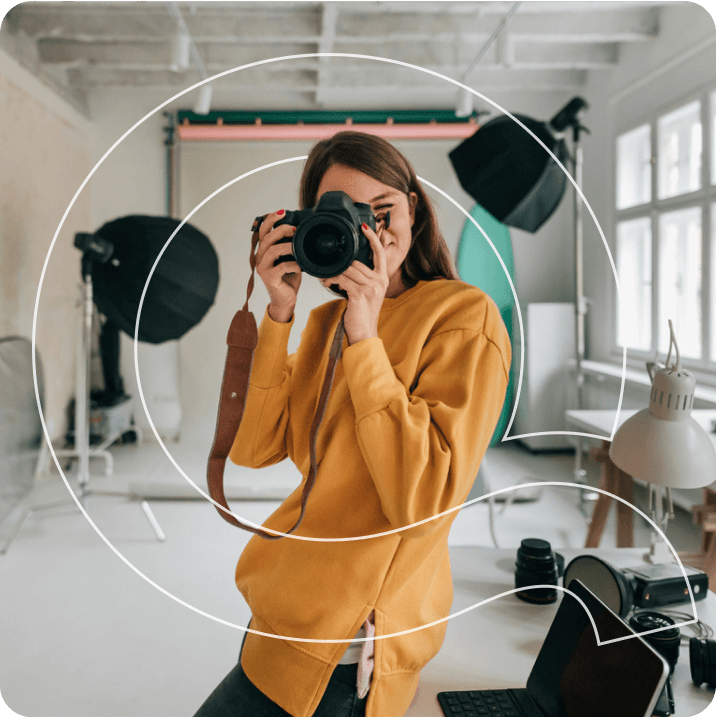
(478, 265)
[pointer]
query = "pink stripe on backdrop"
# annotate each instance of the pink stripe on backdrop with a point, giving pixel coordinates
(224, 133)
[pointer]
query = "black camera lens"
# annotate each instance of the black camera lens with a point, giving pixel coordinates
(325, 245)
(537, 565)
(666, 642)
(702, 661)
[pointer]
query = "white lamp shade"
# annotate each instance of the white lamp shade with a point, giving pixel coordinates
(676, 454)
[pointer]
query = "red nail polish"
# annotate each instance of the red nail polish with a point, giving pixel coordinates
(364, 226)
(281, 212)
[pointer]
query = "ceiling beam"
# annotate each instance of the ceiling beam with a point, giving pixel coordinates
(348, 79)
(304, 24)
(376, 8)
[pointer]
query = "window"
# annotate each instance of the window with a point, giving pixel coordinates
(664, 232)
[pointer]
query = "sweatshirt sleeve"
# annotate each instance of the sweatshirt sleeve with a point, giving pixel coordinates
(261, 438)
(423, 446)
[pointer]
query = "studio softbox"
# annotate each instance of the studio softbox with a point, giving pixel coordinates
(182, 287)
(509, 174)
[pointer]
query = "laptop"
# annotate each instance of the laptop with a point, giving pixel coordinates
(572, 675)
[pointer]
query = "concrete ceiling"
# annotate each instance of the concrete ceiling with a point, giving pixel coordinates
(81, 47)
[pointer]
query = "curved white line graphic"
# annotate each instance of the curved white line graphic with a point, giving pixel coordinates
(141, 121)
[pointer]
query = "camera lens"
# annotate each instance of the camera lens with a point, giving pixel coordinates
(666, 642)
(536, 565)
(324, 246)
(702, 661)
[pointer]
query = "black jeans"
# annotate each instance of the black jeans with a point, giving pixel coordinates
(236, 696)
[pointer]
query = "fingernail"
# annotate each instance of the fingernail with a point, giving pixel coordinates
(364, 226)
(294, 228)
(281, 212)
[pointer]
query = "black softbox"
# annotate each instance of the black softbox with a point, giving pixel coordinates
(182, 287)
(509, 174)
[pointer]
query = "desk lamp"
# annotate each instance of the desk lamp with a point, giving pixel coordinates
(664, 446)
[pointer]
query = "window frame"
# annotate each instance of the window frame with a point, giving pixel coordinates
(702, 198)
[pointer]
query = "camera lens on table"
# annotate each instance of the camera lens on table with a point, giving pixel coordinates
(537, 564)
(666, 642)
(702, 661)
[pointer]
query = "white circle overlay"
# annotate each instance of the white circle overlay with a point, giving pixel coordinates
(572, 485)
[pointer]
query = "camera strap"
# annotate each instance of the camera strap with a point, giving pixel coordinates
(242, 339)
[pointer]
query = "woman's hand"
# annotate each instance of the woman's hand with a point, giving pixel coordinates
(283, 280)
(366, 289)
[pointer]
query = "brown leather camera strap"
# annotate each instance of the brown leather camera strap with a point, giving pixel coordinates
(242, 339)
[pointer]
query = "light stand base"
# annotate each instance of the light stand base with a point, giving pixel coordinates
(81, 495)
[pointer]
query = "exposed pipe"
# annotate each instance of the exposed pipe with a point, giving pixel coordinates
(489, 41)
(464, 104)
(176, 14)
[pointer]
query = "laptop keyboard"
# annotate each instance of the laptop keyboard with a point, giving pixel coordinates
(478, 703)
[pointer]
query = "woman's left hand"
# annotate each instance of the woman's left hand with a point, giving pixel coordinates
(366, 289)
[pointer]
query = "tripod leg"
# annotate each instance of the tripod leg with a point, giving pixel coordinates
(25, 515)
(153, 522)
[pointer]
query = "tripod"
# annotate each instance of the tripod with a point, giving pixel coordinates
(82, 450)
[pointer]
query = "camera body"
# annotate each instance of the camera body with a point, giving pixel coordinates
(328, 237)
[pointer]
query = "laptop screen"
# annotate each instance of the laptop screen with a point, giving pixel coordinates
(574, 677)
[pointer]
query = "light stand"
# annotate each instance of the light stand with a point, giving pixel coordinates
(569, 117)
(102, 251)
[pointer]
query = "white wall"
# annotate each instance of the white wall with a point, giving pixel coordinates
(45, 158)
(132, 180)
(650, 76)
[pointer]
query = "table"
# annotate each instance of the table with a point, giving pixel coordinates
(613, 479)
(494, 646)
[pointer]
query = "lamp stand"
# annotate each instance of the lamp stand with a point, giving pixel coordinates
(659, 552)
(82, 450)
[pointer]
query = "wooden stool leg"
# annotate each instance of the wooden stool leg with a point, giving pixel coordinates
(608, 482)
(625, 513)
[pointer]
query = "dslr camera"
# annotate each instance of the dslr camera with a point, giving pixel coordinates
(328, 237)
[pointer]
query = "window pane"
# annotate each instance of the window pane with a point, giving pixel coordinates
(634, 178)
(681, 280)
(634, 270)
(679, 151)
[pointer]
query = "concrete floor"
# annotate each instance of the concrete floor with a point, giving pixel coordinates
(88, 623)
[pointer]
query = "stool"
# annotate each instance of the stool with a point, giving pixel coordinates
(618, 483)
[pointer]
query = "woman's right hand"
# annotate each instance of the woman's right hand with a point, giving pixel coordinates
(282, 281)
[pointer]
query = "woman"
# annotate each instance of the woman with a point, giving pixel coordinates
(414, 402)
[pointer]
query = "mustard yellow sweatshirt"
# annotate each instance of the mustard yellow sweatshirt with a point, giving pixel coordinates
(410, 415)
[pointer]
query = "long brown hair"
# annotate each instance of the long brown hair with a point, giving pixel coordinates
(429, 257)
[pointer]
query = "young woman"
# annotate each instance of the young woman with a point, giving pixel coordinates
(414, 402)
